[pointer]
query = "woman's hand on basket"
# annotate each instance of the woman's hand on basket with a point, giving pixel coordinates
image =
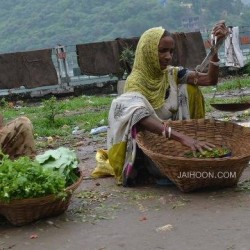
(154, 126)
(196, 145)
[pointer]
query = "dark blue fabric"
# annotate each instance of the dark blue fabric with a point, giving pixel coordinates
(182, 72)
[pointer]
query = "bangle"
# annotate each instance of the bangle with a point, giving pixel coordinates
(196, 77)
(164, 130)
(169, 132)
(217, 64)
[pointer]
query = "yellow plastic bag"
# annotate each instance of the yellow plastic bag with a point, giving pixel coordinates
(103, 168)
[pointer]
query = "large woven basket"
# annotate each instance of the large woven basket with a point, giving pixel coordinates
(195, 173)
(24, 211)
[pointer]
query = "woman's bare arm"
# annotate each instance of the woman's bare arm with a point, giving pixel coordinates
(151, 124)
(211, 77)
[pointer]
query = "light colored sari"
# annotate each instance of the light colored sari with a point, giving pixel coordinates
(122, 133)
(145, 91)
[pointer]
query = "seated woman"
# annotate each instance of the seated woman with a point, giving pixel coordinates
(144, 104)
(16, 138)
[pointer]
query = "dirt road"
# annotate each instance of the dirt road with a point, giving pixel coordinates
(105, 216)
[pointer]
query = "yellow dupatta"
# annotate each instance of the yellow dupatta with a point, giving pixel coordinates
(147, 77)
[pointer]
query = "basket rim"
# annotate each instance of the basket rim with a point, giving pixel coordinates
(242, 157)
(186, 159)
(46, 198)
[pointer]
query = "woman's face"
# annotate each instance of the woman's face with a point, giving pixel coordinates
(165, 51)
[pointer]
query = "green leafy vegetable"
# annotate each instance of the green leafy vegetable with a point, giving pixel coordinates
(62, 160)
(217, 152)
(26, 178)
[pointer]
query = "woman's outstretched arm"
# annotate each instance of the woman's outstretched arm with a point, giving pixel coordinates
(151, 124)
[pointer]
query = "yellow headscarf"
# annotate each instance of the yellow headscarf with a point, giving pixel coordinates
(147, 77)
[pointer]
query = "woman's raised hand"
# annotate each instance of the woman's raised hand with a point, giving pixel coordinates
(220, 30)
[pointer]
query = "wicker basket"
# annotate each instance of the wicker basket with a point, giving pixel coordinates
(24, 211)
(195, 173)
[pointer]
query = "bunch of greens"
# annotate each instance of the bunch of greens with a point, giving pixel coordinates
(26, 178)
(217, 152)
(62, 160)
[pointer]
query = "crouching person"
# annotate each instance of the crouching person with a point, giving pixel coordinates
(16, 138)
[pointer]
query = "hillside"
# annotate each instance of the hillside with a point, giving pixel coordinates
(30, 24)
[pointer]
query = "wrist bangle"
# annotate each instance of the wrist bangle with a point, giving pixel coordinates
(217, 64)
(164, 130)
(196, 77)
(169, 132)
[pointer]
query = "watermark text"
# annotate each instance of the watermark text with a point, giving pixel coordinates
(206, 175)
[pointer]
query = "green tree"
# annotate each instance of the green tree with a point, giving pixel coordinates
(31, 24)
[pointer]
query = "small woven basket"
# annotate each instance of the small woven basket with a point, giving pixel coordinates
(190, 174)
(24, 211)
